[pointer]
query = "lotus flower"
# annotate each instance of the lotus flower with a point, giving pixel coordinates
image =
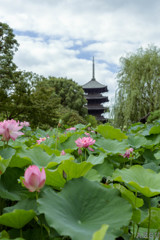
(84, 142)
(87, 134)
(10, 129)
(63, 153)
(71, 129)
(24, 124)
(41, 140)
(128, 152)
(34, 178)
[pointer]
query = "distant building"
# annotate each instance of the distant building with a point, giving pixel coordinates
(93, 93)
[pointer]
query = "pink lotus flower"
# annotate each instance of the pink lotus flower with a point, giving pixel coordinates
(87, 134)
(24, 124)
(128, 152)
(84, 142)
(71, 129)
(34, 178)
(63, 153)
(10, 129)
(41, 140)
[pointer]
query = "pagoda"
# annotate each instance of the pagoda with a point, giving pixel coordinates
(93, 93)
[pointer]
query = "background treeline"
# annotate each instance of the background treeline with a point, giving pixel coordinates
(34, 98)
(44, 101)
(138, 92)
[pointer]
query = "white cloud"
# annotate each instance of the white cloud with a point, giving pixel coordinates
(59, 38)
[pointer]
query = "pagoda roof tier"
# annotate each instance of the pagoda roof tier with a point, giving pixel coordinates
(96, 96)
(95, 107)
(93, 84)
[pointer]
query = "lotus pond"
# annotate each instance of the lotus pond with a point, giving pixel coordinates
(81, 183)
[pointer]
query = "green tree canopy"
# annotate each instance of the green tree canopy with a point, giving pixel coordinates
(45, 107)
(17, 103)
(8, 46)
(71, 94)
(34, 98)
(138, 86)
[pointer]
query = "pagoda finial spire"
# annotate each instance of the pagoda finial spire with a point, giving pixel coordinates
(93, 77)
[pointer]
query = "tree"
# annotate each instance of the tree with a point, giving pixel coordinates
(8, 46)
(45, 107)
(17, 103)
(71, 94)
(70, 117)
(138, 86)
(56, 99)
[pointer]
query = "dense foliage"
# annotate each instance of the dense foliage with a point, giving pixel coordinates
(94, 184)
(29, 96)
(138, 86)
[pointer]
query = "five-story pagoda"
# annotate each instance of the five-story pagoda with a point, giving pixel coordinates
(93, 93)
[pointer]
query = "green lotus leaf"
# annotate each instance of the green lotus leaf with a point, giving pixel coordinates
(155, 129)
(12, 239)
(96, 159)
(136, 127)
(7, 153)
(112, 146)
(17, 219)
(82, 207)
(69, 143)
(136, 217)
(145, 181)
(156, 155)
(136, 141)
(9, 186)
(128, 195)
(149, 156)
(93, 175)
(152, 140)
(5, 158)
(19, 161)
(26, 204)
(58, 159)
(36, 156)
(46, 148)
(3, 164)
(65, 172)
(154, 220)
(100, 234)
(110, 132)
(105, 169)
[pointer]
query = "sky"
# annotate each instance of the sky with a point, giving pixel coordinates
(60, 37)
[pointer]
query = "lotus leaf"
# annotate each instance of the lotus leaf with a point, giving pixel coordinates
(71, 169)
(17, 219)
(82, 207)
(100, 234)
(154, 220)
(110, 132)
(145, 181)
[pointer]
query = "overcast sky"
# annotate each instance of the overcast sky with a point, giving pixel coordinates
(60, 37)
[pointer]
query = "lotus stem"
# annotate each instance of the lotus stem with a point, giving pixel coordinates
(36, 195)
(149, 218)
(21, 234)
(134, 235)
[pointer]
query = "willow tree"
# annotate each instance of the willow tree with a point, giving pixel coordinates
(138, 90)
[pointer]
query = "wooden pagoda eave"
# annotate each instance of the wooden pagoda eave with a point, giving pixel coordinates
(95, 107)
(100, 89)
(97, 98)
